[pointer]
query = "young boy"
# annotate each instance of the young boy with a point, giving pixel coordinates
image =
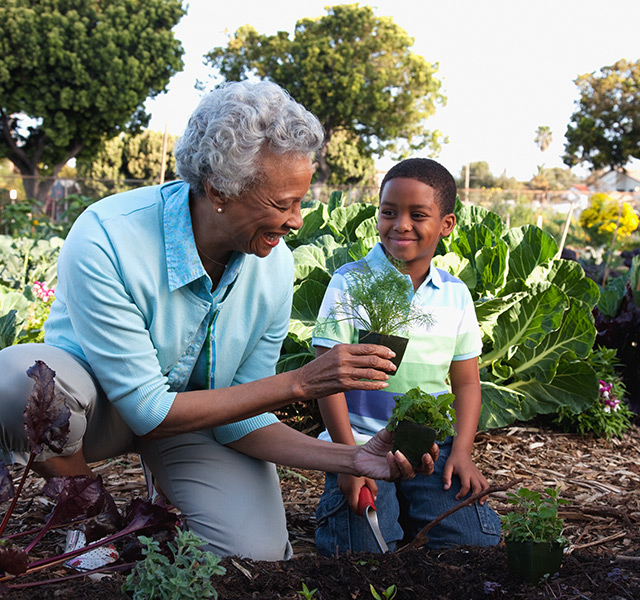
(417, 199)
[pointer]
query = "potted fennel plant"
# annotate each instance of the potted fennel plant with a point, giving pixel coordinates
(418, 419)
(378, 304)
(533, 533)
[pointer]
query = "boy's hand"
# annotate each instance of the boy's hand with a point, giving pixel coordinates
(350, 486)
(471, 479)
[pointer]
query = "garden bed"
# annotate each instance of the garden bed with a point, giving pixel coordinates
(600, 478)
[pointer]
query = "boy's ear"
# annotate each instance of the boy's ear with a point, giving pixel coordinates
(448, 223)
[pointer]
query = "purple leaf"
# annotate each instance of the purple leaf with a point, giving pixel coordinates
(13, 559)
(77, 497)
(6, 483)
(46, 415)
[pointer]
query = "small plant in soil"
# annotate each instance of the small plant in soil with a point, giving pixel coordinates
(418, 419)
(533, 533)
(378, 303)
(187, 574)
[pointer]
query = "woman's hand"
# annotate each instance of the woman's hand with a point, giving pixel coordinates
(395, 466)
(346, 367)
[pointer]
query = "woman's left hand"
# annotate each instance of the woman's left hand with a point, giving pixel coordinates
(376, 459)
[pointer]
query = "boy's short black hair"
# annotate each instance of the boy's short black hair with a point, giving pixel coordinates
(430, 173)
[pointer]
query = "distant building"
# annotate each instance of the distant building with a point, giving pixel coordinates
(619, 180)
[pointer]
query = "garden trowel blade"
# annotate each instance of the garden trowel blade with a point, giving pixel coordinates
(367, 508)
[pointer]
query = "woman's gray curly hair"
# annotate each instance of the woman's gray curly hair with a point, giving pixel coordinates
(232, 125)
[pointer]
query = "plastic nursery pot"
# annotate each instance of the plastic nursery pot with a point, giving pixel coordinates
(413, 440)
(532, 560)
(394, 342)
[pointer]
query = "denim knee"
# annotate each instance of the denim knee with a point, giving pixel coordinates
(339, 530)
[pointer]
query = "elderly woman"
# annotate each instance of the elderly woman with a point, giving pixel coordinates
(171, 307)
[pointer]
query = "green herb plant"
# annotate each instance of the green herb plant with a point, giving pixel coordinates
(535, 518)
(186, 575)
(388, 594)
(306, 593)
(378, 301)
(436, 412)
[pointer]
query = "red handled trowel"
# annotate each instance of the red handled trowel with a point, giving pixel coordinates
(367, 508)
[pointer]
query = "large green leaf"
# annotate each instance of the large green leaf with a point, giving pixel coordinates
(525, 324)
(458, 266)
(529, 246)
(344, 220)
(491, 264)
(9, 328)
(500, 406)
(570, 278)
(307, 297)
(575, 386)
(576, 336)
(488, 311)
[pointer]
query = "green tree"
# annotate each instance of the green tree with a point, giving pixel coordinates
(352, 69)
(142, 156)
(74, 73)
(480, 175)
(349, 162)
(127, 156)
(543, 137)
(604, 131)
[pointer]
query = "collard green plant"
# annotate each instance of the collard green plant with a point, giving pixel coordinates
(436, 412)
(534, 310)
(187, 574)
(535, 516)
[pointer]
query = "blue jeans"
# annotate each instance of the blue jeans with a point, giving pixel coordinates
(404, 508)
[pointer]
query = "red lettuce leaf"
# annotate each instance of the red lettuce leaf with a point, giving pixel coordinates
(46, 415)
(13, 559)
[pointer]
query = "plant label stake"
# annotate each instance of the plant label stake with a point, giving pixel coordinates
(367, 508)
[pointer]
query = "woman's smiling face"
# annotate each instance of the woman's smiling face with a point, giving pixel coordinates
(257, 219)
(410, 224)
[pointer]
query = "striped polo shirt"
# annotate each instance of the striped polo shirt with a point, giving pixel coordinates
(453, 335)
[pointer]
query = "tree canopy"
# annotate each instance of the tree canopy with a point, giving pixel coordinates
(75, 73)
(355, 71)
(604, 131)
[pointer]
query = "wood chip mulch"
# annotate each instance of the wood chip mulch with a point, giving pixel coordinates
(600, 478)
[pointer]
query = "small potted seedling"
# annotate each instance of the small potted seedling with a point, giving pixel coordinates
(378, 304)
(533, 533)
(418, 419)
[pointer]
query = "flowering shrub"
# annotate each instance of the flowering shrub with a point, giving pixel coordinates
(43, 292)
(600, 218)
(609, 415)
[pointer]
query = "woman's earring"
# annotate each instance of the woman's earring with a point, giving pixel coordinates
(219, 209)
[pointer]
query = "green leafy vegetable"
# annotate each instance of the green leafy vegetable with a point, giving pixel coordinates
(436, 412)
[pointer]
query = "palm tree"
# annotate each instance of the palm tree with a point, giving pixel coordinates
(543, 137)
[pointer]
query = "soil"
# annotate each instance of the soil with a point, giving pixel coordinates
(600, 478)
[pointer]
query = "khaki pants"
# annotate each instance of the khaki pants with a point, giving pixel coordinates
(230, 500)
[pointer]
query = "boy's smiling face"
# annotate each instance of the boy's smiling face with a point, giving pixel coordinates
(410, 224)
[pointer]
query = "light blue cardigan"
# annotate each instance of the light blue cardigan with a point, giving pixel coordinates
(133, 303)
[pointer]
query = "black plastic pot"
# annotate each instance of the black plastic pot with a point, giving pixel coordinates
(531, 561)
(413, 440)
(395, 342)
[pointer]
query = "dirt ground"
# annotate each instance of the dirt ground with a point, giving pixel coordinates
(600, 478)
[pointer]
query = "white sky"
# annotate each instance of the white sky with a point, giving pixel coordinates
(507, 66)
